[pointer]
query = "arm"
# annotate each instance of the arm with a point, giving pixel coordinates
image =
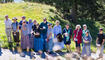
(17, 28)
(49, 36)
(54, 30)
(97, 40)
(70, 33)
(103, 42)
(60, 29)
(63, 31)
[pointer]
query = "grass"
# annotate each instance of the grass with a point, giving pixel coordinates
(38, 11)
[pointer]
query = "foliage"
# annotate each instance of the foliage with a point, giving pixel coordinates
(38, 11)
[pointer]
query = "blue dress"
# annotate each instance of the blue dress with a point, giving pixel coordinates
(38, 41)
(31, 37)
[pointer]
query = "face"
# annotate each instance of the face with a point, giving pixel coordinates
(45, 21)
(100, 31)
(24, 23)
(67, 27)
(23, 18)
(14, 20)
(37, 25)
(57, 23)
(6, 17)
(86, 34)
(78, 27)
(84, 27)
(49, 26)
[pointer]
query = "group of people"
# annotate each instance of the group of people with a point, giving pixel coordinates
(45, 38)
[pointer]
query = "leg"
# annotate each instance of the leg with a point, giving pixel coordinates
(68, 47)
(50, 45)
(83, 50)
(88, 50)
(45, 42)
(101, 51)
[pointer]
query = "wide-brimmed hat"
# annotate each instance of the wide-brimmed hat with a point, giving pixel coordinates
(23, 17)
(49, 24)
(14, 18)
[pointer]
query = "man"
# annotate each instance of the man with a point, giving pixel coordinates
(20, 23)
(8, 27)
(44, 28)
(100, 43)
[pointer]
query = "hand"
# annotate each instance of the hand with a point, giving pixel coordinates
(86, 41)
(14, 32)
(102, 43)
(47, 39)
(41, 28)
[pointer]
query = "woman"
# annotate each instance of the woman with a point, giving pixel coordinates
(67, 33)
(78, 38)
(38, 41)
(57, 30)
(86, 45)
(30, 24)
(15, 29)
(24, 36)
(84, 32)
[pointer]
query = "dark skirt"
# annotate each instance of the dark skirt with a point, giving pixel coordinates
(67, 42)
(16, 36)
(38, 44)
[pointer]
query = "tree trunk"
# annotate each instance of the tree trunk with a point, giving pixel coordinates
(74, 11)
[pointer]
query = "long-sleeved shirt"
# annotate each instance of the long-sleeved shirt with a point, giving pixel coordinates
(57, 30)
(8, 23)
(30, 27)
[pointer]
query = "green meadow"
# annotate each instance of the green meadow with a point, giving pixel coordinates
(37, 11)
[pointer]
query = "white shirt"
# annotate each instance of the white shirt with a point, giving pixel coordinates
(8, 23)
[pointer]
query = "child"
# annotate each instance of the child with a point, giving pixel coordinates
(86, 45)
(49, 38)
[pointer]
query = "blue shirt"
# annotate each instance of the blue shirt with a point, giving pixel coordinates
(57, 30)
(25, 32)
(20, 23)
(87, 38)
(14, 26)
(30, 27)
(48, 33)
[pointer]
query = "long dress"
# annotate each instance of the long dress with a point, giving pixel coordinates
(38, 41)
(57, 45)
(31, 37)
(24, 38)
